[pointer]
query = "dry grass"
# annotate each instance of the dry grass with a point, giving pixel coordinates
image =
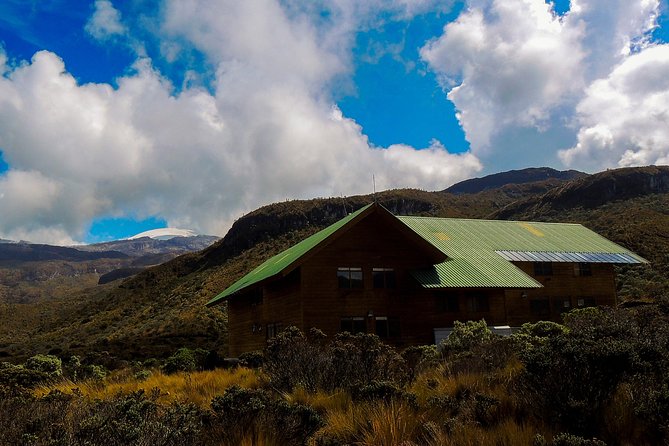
(506, 433)
(374, 424)
(197, 387)
(321, 401)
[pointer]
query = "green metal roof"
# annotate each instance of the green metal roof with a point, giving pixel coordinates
(472, 246)
(476, 251)
(281, 261)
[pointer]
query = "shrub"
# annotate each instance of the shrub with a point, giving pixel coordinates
(420, 358)
(572, 376)
(187, 360)
(363, 358)
(251, 360)
(48, 364)
(253, 413)
(12, 375)
(384, 391)
(466, 335)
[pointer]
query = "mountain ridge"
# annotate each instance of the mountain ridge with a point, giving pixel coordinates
(162, 308)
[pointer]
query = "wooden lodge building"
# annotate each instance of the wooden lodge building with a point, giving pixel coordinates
(407, 279)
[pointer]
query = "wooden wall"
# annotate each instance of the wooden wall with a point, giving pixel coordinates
(564, 285)
(310, 296)
(248, 319)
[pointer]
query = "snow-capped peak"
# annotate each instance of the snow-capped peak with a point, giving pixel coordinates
(164, 234)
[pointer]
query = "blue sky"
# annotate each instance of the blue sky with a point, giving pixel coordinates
(122, 116)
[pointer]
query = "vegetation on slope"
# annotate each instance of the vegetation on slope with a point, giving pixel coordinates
(162, 308)
(596, 379)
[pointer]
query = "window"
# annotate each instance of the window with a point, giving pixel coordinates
(586, 302)
(583, 269)
(349, 277)
(353, 325)
(273, 329)
(477, 303)
(562, 305)
(543, 269)
(540, 307)
(383, 277)
(447, 302)
(387, 327)
(255, 298)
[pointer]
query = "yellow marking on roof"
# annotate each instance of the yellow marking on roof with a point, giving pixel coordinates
(532, 229)
(442, 236)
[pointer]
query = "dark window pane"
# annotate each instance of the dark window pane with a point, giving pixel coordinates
(383, 277)
(349, 277)
(353, 324)
(562, 305)
(586, 302)
(394, 327)
(356, 279)
(478, 303)
(584, 269)
(540, 306)
(359, 325)
(378, 278)
(391, 281)
(543, 269)
(344, 279)
(448, 302)
(382, 327)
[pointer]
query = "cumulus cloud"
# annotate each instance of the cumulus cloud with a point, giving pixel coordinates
(267, 130)
(105, 23)
(624, 117)
(517, 64)
(515, 59)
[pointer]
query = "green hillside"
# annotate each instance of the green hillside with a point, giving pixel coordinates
(162, 308)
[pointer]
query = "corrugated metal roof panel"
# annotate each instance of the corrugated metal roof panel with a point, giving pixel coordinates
(480, 250)
(570, 257)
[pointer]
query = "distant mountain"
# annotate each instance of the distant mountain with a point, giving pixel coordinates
(592, 191)
(165, 234)
(140, 246)
(28, 252)
(523, 176)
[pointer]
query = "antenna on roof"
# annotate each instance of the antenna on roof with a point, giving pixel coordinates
(374, 188)
(344, 203)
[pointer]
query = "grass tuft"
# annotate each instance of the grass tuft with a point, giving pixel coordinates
(197, 387)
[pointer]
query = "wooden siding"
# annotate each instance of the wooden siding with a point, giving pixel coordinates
(248, 320)
(564, 285)
(310, 295)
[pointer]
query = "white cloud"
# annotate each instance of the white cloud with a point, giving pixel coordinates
(624, 118)
(105, 23)
(268, 131)
(505, 63)
(516, 64)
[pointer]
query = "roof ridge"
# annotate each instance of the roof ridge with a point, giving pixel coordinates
(489, 220)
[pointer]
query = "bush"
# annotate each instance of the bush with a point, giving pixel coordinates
(48, 364)
(384, 391)
(573, 375)
(12, 375)
(253, 413)
(348, 361)
(187, 360)
(420, 358)
(466, 335)
(252, 360)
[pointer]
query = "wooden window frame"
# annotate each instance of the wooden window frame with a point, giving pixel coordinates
(346, 279)
(384, 278)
